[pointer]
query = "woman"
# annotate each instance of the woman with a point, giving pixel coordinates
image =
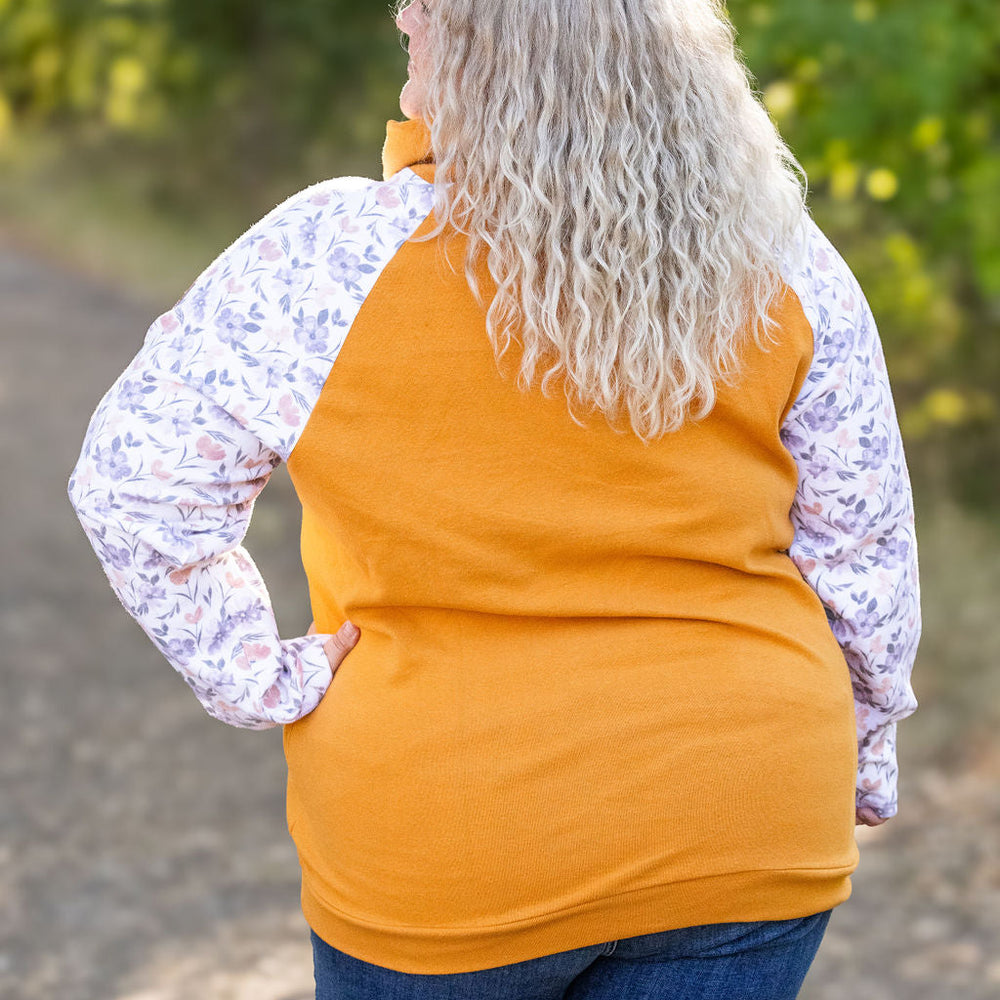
(594, 443)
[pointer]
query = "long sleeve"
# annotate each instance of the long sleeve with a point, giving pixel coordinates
(188, 435)
(164, 489)
(853, 516)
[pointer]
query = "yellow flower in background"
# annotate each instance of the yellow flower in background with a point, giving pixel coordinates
(780, 98)
(945, 406)
(928, 132)
(882, 184)
(844, 178)
(864, 11)
(126, 82)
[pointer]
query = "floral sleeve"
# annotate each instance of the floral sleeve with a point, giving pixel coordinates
(188, 435)
(854, 537)
(164, 490)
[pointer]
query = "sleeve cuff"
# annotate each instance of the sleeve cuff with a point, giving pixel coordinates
(878, 772)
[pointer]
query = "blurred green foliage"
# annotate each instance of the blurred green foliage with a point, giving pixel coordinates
(233, 92)
(892, 107)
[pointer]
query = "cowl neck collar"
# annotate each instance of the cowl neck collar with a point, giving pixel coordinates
(408, 144)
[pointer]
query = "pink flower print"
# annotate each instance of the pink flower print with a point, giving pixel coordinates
(158, 471)
(272, 696)
(808, 565)
(288, 411)
(233, 285)
(822, 259)
(192, 618)
(251, 652)
(115, 420)
(347, 225)
(239, 414)
(344, 266)
(387, 197)
(235, 581)
(269, 250)
(180, 576)
(210, 449)
(319, 199)
(169, 322)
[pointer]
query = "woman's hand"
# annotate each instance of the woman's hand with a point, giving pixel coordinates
(338, 646)
(868, 816)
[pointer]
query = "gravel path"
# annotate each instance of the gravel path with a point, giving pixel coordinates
(144, 852)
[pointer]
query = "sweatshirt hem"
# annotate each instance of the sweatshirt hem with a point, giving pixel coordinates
(770, 894)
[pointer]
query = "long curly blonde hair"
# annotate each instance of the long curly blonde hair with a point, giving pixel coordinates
(631, 196)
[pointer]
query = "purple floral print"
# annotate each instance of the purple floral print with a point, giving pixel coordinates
(853, 512)
(187, 437)
(344, 266)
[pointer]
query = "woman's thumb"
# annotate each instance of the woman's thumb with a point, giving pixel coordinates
(342, 643)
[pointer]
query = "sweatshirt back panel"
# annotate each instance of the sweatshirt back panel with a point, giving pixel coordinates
(590, 678)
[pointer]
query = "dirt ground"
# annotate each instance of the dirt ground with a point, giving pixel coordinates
(144, 852)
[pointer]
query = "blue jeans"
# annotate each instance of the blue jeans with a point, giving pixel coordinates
(755, 960)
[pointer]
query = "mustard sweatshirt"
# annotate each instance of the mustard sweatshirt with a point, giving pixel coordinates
(603, 688)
